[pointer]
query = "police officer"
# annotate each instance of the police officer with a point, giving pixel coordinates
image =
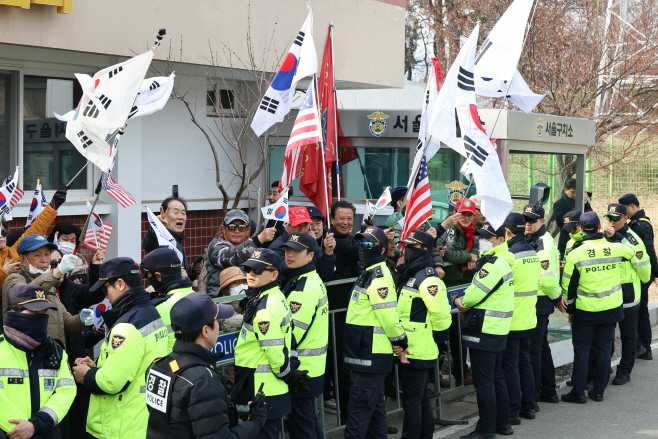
(36, 386)
(135, 336)
(262, 354)
(489, 306)
(572, 225)
(373, 332)
(199, 403)
(309, 306)
(162, 269)
(548, 297)
(591, 282)
(641, 225)
(633, 273)
(517, 367)
(424, 311)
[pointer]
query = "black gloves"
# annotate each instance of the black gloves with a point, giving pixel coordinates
(58, 199)
(258, 414)
(296, 380)
(365, 224)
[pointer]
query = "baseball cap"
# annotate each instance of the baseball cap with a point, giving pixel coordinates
(589, 221)
(397, 193)
(34, 242)
(195, 310)
(32, 297)
(514, 222)
(114, 268)
(298, 215)
(616, 211)
(373, 234)
(301, 241)
(261, 259)
(418, 237)
(571, 219)
(629, 199)
(236, 214)
(314, 212)
(160, 259)
(468, 206)
(533, 211)
(487, 231)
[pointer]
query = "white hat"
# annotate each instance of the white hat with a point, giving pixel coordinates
(477, 199)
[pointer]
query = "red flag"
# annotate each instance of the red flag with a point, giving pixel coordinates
(437, 72)
(327, 104)
(345, 151)
(312, 182)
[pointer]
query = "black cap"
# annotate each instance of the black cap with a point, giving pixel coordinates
(373, 234)
(314, 212)
(616, 211)
(487, 231)
(571, 219)
(629, 199)
(589, 221)
(515, 222)
(533, 211)
(301, 241)
(114, 268)
(261, 259)
(418, 237)
(32, 297)
(195, 310)
(397, 193)
(160, 259)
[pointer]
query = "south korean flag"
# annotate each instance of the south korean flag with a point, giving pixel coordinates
(277, 211)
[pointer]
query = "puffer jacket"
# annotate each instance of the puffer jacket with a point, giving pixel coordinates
(456, 255)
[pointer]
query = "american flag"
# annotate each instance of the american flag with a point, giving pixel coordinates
(419, 206)
(116, 191)
(306, 131)
(103, 237)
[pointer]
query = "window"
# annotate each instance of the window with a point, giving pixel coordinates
(7, 127)
(47, 155)
(219, 100)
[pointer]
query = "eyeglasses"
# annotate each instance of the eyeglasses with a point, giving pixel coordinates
(232, 227)
(534, 221)
(256, 272)
(365, 244)
(108, 284)
(613, 219)
(4, 232)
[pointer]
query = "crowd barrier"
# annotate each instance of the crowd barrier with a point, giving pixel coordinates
(339, 293)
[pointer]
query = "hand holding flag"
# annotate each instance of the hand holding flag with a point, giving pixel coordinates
(39, 203)
(277, 211)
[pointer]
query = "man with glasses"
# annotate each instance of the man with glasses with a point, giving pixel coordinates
(234, 247)
(549, 296)
(633, 273)
(137, 336)
(262, 354)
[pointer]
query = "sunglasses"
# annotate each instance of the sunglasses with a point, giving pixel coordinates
(534, 221)
(106, 285)
(4, 232)
(241, 227)
(365, 244)
(613, 219)
(256, 272)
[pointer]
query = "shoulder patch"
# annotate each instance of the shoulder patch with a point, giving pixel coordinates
(433, 289)
(379, 272)
(295, 306)
(483, 273)
(383, 292)
(545, 264)
(639, 254)
(430, 271)
(632, 239)
(411, 282)
(117, 340)
(264, 327)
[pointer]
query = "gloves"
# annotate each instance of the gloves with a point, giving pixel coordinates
(67, 263)
(297, 380)
(58, 199)
(258, 415)
(87, 317)
(365, 224)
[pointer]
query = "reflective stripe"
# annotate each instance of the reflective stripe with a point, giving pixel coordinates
(569, 302)
(248, 327)
(360, 290)
(411, 290)
(51, 413)
(525, 293)
(322, 302)
(640, 264)
(309, 352)
(242, 408)
(480, 286)
(142, 389)
(566, 275)
(14, 373)
(284, 373)
(499, 314)
(65, 382)
(549, 274)
(508, 276)
(48, 373)
(525, 254)
(263, 368)
(599, 295)
(377, 306)
(272, 342)
(170, 330)
(357, 361)
(1, 387)
(300, 324)
(470, 338)
(598, 261)
(631, 305)
(402, 337)
(556, 296)
(151, 327)
(286, 320)
(378, 330)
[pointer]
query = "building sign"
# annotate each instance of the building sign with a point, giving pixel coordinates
(63, 6)
(48, 129)
(377, 123)
(226, 343)
(456, 191)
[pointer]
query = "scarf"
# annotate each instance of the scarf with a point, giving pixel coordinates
(27, 330)
(469, 234)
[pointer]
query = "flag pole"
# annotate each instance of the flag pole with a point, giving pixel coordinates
(322, 144)
(363, 171)
(412, 179)
(333, 75)
(470, 183)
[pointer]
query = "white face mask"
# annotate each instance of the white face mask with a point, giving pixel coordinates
(66, 248)
(34, 270)
(238, 290)
(485, 245)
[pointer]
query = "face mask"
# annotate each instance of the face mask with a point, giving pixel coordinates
(578, 236)
(485, 245)
(66, 248)
(413, 255)
(27, 330)
(34, 270)
(367, 254)
(155, 283)
(238, 290)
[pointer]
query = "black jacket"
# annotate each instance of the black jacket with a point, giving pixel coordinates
(641, 225)
(560, 208)
(199, 402)
(347, 257)
(150, 243)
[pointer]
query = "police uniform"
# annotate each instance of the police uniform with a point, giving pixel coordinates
(571, 221)
(35, 383)
(135, 336)
(163, 260)
(372, 328)
(633, 273)
(592, 285)
(309, 307)
(517, 366)
(490, 298)
(424, 311)
(262, 354)
(549, 295)
(641, 225)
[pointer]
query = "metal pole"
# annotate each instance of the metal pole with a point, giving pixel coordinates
(530, 171)
(612, 143)
(363, 171)
(333, 74)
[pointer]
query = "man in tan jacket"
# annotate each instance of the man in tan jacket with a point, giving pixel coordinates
(34, 256)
